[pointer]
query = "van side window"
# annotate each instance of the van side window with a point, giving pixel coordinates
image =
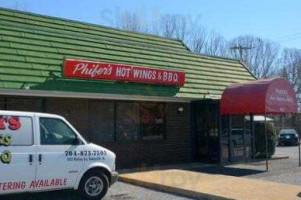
(56, 132)
(16, 131)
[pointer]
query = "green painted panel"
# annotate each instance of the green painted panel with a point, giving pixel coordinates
(88, 32)
(4, 50)
(12, 57)
(90, 26)
(4, 44)
(43, 60)
(187, 62)
(33, 47)
(147, 62)
(21, 78)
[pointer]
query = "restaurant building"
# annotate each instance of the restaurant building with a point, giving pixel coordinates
(147, 98)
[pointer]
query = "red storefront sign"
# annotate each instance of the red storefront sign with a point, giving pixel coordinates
(121, 72)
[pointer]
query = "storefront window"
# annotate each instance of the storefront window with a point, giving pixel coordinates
(101, 116)
(152, 120)
(127, 121)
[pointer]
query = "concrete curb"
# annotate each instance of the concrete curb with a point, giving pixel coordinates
(173, 190)
(165, 167)
(280, 157)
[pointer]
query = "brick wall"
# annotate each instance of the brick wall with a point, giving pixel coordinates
(176, 148)
(74, 110)
(24, 104)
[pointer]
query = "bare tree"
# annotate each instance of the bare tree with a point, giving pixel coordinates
(260, 55)
(195, 36)
(290, 62)
(216, 44)
(132, 22)
(166, 26)
(199, 39)
(208, 42)
(260, 58)
(181, 27)
(173, 26)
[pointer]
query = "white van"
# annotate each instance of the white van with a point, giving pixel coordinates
(43, 152)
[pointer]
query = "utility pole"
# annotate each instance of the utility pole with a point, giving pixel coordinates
(240, 48)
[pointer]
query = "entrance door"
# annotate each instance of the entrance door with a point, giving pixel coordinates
(60, 155)
(17, 154)
(240, 144)
(225, 139)
(207, 137)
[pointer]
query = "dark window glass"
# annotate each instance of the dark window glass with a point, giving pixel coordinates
(101, 116)
(152, 120)
(127, 121)
(56, 132)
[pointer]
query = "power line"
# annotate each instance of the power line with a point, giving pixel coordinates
(288, 36)
(291, 38)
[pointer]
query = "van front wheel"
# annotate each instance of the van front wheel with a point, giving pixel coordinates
(94, 185)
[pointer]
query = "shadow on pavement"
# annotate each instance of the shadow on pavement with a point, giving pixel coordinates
(56, 195)
(238, 172)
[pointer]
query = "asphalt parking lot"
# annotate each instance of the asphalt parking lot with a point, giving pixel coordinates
(119, 191)
(282, 171)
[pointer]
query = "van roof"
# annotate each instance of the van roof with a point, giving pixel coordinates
(23, 113)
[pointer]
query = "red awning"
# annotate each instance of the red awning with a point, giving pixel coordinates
(266, 96)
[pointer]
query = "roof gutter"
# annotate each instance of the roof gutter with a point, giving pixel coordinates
(84, 95)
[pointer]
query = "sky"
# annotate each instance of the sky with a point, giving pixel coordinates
(276, 20)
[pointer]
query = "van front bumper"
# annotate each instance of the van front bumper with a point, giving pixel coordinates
(114, 177)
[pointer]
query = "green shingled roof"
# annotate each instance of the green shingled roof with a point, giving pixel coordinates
(33, 47)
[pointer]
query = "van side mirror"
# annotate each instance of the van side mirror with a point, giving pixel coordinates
(76, 141)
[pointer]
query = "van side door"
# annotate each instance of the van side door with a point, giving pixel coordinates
(59, 154)
(17, 154)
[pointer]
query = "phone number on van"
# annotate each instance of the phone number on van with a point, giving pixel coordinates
(85, 153)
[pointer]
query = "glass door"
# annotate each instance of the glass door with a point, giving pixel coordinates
(237, 138)
(207, 137)
(225, 139)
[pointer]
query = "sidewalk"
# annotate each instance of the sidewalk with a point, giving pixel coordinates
(212, 186)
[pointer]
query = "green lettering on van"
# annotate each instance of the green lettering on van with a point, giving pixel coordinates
(6, 157)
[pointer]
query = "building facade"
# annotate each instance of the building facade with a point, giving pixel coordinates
(143, 122)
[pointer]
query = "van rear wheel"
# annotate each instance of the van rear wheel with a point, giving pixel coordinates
(94, 185)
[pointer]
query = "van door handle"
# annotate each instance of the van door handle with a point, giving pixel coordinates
(30, 159)
(40, 158)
